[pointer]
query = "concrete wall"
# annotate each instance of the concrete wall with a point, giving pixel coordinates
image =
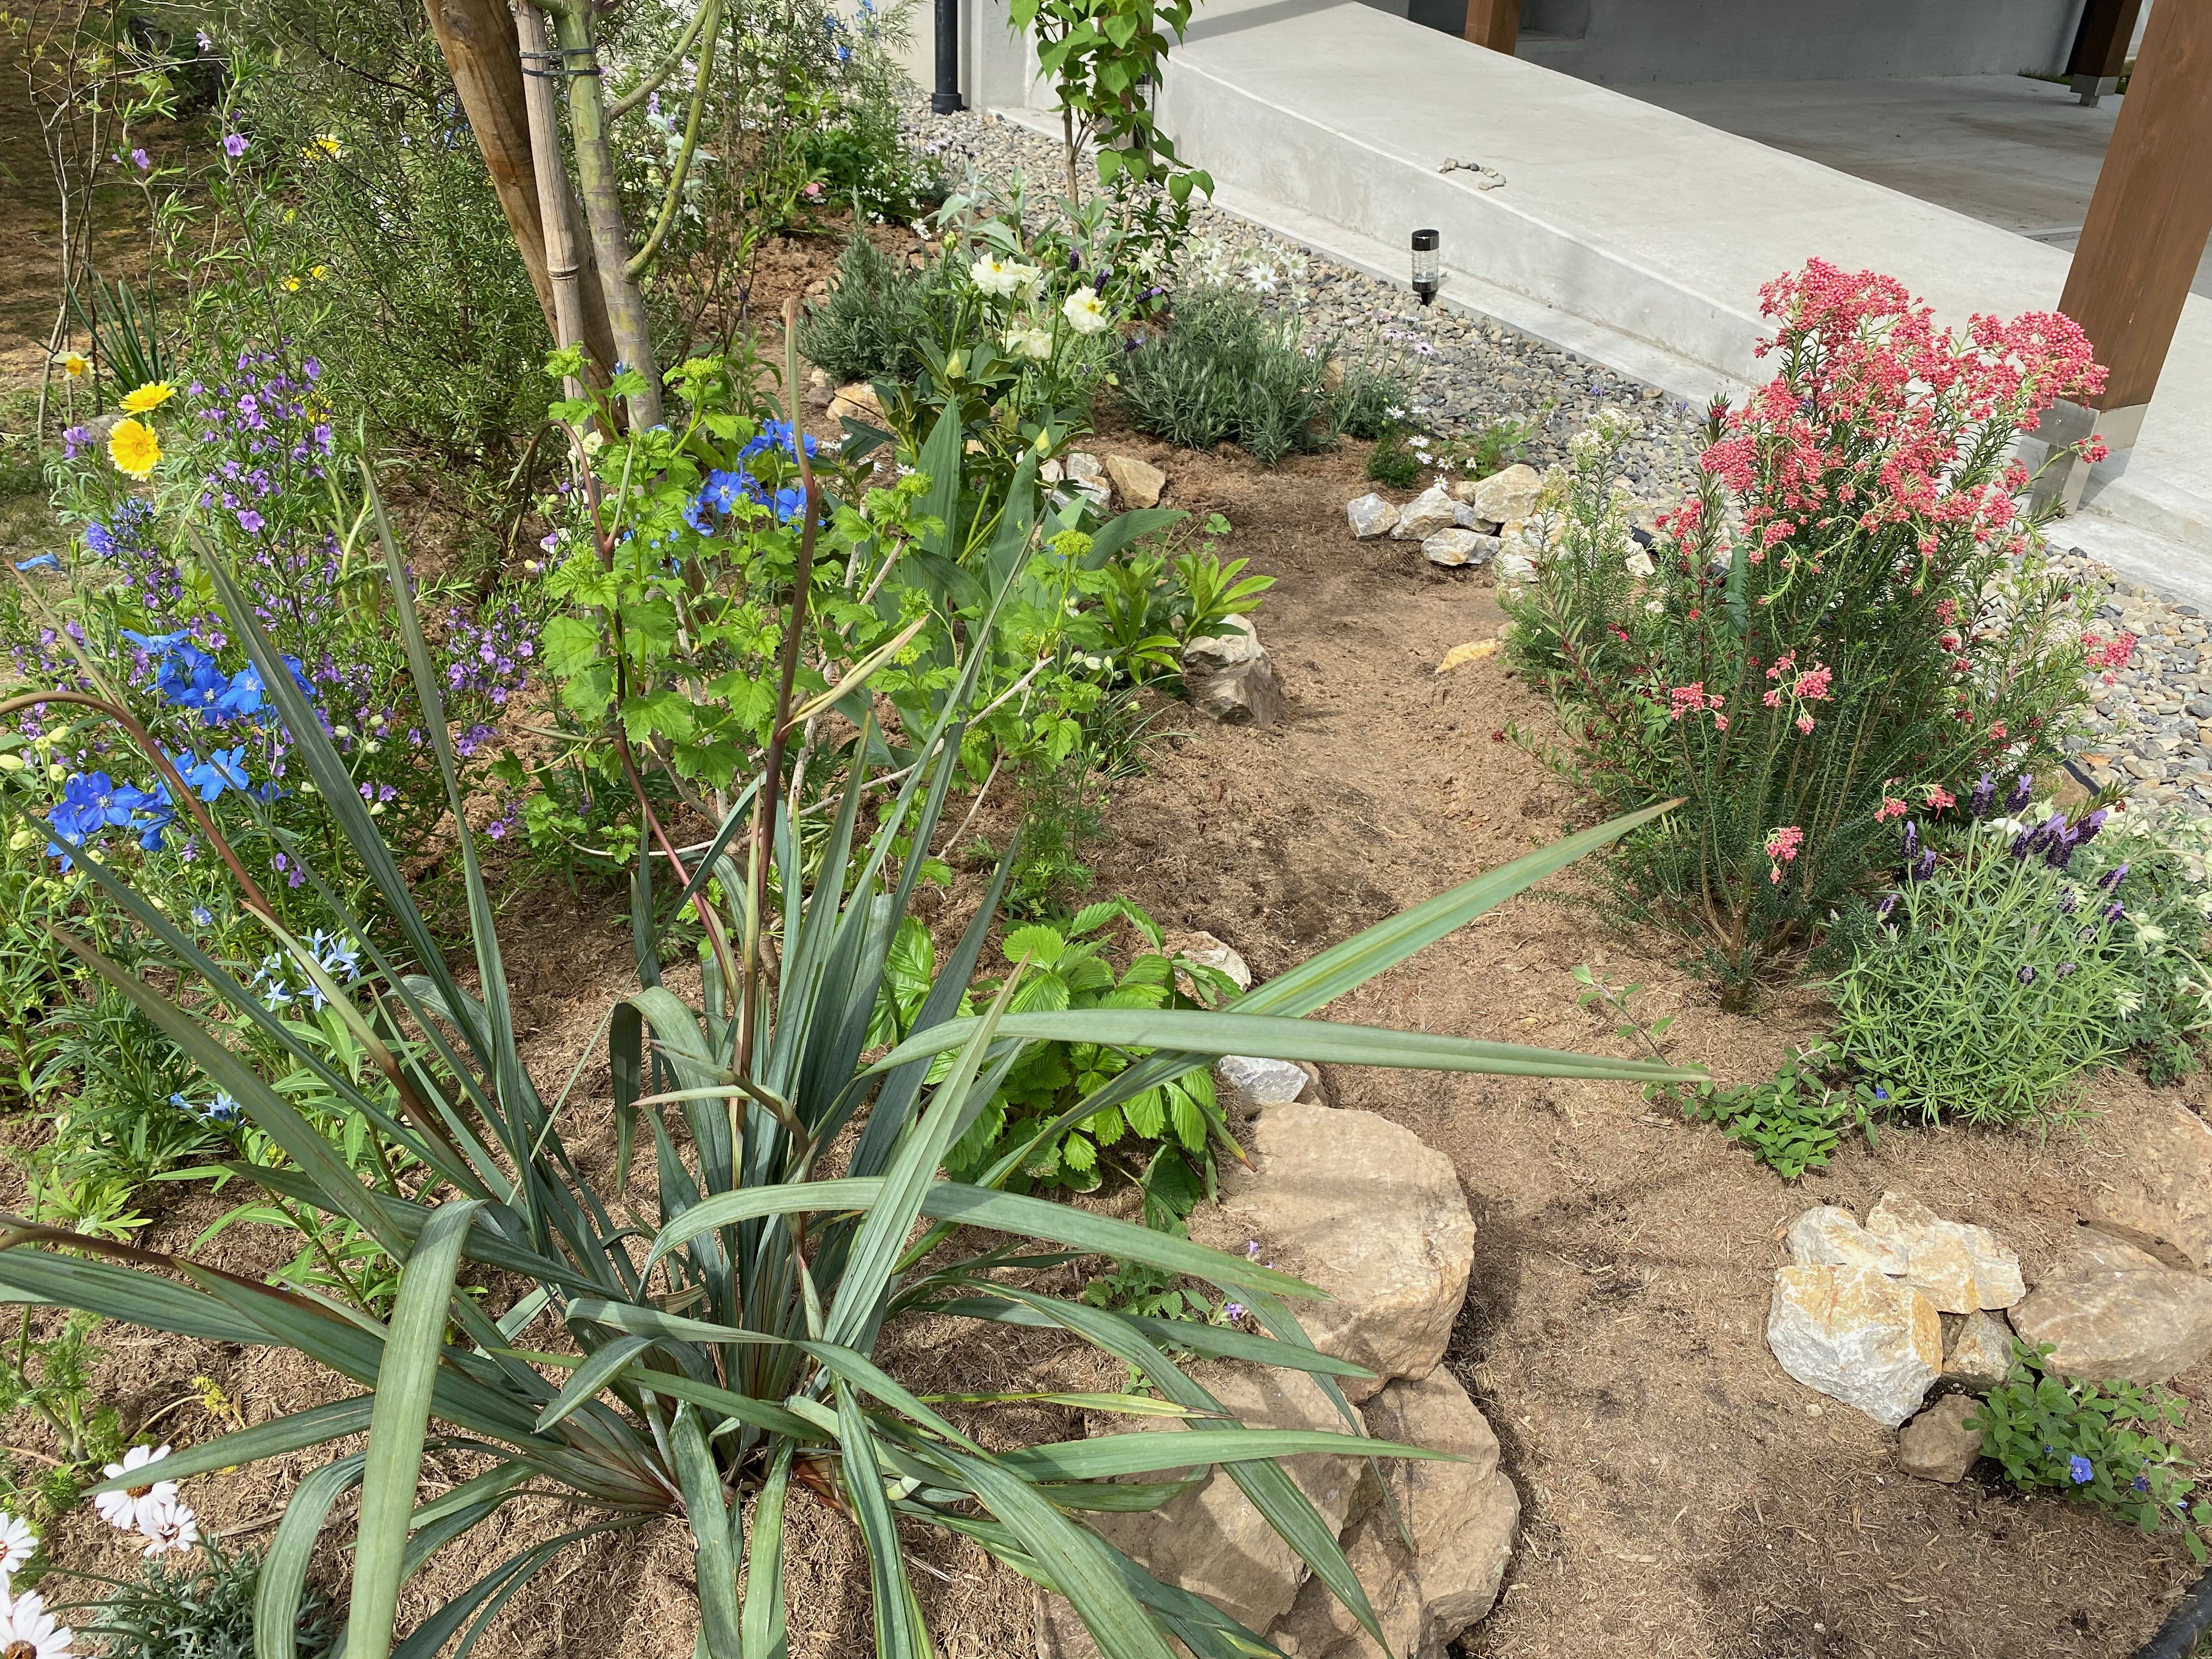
(1629, 42)
(997, 69)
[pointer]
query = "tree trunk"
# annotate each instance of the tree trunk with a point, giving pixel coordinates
(603, 211)
(477, 38)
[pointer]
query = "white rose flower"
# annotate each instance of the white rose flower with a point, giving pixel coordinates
(1029, 341)
(1028, 280)
(1084, 312)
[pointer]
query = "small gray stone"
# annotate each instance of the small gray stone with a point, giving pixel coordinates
(1459, 547)
(1245, 695)
(1371, 517)
(1245, 1085)
(1980, 1354)
(2200, 707)
(1467, 519)
(1937, 1445)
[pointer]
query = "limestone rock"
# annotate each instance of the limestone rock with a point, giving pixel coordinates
(1979, 1356)
(1246, 694)
(1829, 1236)
(858, 402)
(2111, 1310)
(1937, 1445)
(1467, 519)
(1086, 475)
(1512, 566)
(1508, 495)
(2159, 1198)
(1356, 1204)
(1459, 547)
(1461, 1516)
(1137, 483)
(1210, 953)
(1234, 641)
(1460, 655)
(1371, 517)
(1856, 1335)
(1957, 1265)
(1244, 1085)
(1425, 514)
(1211, 1540)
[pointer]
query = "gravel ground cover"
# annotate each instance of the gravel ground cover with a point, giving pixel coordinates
(2151, 727)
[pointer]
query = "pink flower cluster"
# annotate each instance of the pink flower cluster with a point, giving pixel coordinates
(1693, 699)
(1811, 685)
(1782, 845)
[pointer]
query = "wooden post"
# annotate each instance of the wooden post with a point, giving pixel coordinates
(1494, 23)
(2145, 232)
(2100, 47)
(562, 269)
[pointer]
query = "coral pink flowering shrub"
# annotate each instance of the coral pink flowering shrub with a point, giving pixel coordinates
(1847, 614)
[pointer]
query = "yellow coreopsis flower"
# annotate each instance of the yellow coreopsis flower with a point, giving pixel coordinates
(291, 285)
(134, 448)
(319, 272)
(325, 144)
(75, 364)
(152, 395)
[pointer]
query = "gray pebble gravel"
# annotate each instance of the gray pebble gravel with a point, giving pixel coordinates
(2150, 729)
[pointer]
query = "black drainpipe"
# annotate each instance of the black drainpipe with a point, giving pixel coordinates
(946, 99)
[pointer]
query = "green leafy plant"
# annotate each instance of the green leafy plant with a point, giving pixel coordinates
(199, 1608)
(1228, 369)
(1597, 993)
(50, 1377)
(717, 1347)
(866, 327)
(2003, 972)
(2101, 1444)
(1392, 463)
(1105, 58)
(1849, 618)
(1792, 1121)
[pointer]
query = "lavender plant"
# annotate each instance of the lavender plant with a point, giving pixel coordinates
(2012, 960)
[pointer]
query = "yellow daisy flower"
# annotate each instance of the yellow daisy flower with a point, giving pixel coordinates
(152, 395)
(75, 364)
(319, 272)
(325, 144)
(134, 448)
(291, 285)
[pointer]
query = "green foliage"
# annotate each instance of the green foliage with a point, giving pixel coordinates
(1104, 57)
(1792, 1121)
(1228, 369)
(1798, 670)
(1392, 464)
(735, 1356)
(201, 1608)
(867, 326)
(51, 1378)
(2029, 955)
(2101, 1444)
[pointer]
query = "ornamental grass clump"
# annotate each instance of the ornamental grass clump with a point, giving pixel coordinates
(1849, 615)
(716, 1346)
(2021, 952)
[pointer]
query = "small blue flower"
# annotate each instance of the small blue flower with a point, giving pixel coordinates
(42, 562)
(2079, 1470)
(201, 918)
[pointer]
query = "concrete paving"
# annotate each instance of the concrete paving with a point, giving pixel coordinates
(2020, 153)
(1620, 217)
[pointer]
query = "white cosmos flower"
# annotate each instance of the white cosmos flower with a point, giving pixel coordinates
(993, 275)
(1084, 312)
(1029, 341)
(173, 1527)
(27, 1631)
(122, 1510)
(17, 1542)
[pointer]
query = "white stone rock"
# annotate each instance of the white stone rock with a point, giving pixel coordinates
(1086, 474)
(1829, 1236)
(1425, 514)
(1957, 1265)
(1979, 1356)
(1508, 495)
(857, 402)
(1234, 641)
(1371, 517)
(1856, 1335)
(1243, 1084)
(1243, 695)
(1459, 547)
(1514, 566)
(2158, 1196)
(1467, 519)
(2110, 1310)
(1358, 1206)
(1210, 953)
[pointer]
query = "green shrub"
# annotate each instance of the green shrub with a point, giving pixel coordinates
(868, 326)
(199, 1608)
(1848, 618)
(1227, 370)
(2100, 1444)
(2008, 968)
(1792, 1121)
(1392, 463)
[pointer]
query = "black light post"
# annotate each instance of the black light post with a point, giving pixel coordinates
(946, 99)
(1428, 263)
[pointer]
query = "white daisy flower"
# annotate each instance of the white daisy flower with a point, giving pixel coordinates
(1084, 312)
(27, 1631)
(123, 1510)
(17, 1542)
(173, 1527)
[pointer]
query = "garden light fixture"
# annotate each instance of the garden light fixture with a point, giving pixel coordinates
(1428, 263)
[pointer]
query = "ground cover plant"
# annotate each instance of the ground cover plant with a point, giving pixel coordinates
(1846, 623)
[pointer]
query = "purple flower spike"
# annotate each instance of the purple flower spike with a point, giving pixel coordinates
(2027, 974)
(2022, 787)
(1887, 907)
(2064, 969)
(2115, 911)
(2110, 880)
(1911, 840)
(1984, 797)
(1926, 867)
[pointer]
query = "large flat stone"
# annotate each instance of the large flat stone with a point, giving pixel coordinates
(2111, 1310)
(2158, 1196)
(1856, 1335)
(1358, 1206)
(1956, 1265)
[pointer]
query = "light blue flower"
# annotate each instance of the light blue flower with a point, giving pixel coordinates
(2079, 1470)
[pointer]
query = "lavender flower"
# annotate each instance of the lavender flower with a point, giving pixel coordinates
(2027, 974)
(1984, 797)
(1883, 911)
(2087, 828)
(1926, 867)
(2064, 969)
(2022, 787)
(2110, 880)
(1911, 840)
